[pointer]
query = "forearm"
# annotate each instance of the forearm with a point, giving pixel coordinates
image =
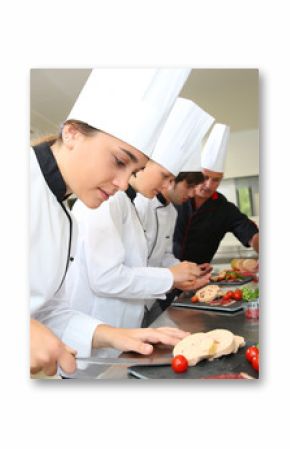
(103, 336)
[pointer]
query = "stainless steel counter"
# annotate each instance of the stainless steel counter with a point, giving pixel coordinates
(188, 320)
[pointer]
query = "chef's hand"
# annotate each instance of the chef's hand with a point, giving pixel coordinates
(47, 351)
(137, 340)
(195, 284)
(184, 271)
(205, 268)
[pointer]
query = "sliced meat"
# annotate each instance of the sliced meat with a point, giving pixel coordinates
(208, 293)
(229, 376)
(195, 347)
(225, 342)
(239, 343)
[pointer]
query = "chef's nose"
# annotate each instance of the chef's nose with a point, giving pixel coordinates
(208, 183)
(121, 181)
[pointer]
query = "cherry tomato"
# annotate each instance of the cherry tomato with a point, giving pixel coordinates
(179, 363)
(251, 352)
(194, 299)
(228, 295)
(238, 294)
(255, 362)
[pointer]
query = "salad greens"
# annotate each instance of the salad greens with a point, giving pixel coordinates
(250, 294)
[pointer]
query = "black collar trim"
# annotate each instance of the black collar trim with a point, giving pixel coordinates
(162, 199)
(50, 171)
(131, 193)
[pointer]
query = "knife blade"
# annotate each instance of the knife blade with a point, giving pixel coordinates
(129, 361)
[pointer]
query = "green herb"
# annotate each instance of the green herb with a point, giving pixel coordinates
(250, 294)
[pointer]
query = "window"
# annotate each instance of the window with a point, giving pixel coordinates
(245, 202)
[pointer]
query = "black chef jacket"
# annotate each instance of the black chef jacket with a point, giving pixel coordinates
(198, 232)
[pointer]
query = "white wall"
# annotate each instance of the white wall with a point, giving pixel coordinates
(243, 154)
(228, 189)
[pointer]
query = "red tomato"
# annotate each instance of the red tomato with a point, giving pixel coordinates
(238, 294)
(179, 363)
(228, 295)
(194, 299)
(251, 352)
(255, 362)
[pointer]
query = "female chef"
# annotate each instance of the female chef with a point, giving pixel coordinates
(111, 131)
(110, 278)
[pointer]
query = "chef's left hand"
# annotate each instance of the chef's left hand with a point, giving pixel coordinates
(137, 340)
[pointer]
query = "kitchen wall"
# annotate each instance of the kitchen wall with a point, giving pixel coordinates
(243, 154)
(242, 163)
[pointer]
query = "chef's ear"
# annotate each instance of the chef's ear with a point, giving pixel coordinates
(69, 133)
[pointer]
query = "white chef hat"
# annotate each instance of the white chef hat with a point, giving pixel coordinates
(199, 130)
(215, 149)
(184, 129)
(194, 161)
(130, 104)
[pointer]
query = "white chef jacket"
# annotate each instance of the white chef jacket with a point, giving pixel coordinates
(52, 245)
(109, 278)
(158, 220)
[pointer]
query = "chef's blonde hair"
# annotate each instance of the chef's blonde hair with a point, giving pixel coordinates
(82, 127)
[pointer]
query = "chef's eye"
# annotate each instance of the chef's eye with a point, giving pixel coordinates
(119, 163)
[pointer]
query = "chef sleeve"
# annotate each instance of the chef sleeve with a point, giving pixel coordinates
(169, 260)
(240, 225)
(72, 327)
(105, 256)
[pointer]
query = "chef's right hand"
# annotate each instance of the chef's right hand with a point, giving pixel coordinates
(184, 271)
(47, 351)
(205, 268)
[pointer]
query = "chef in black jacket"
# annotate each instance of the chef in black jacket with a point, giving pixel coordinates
(204, 220)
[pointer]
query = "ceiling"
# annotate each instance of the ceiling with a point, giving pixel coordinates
(230, 95)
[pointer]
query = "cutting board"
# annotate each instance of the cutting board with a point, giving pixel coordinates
(234, 363)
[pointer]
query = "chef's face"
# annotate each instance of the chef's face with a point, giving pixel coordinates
(211, 182)
(180, 192)
(98, 166)
(152, 179)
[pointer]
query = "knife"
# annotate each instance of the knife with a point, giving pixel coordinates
(129, 361)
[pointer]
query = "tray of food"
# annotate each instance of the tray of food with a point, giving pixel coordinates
(230, 277)
(217, 354)
(211, 298)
